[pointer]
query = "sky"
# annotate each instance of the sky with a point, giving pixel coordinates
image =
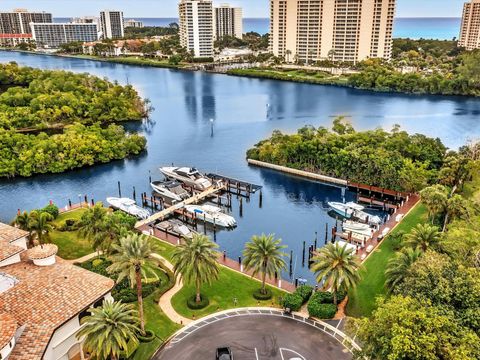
(168, 8)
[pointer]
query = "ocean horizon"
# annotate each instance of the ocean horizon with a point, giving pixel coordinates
(414, 28)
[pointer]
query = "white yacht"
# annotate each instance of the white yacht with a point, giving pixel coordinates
(129, 206)
(176, 227)
(341, 209)
(212, 214)
(188, 176)
(170, 190)
(358, 228)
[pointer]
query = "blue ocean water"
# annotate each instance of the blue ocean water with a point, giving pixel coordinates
(415, 28)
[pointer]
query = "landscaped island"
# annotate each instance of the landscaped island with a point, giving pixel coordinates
(53, 121)
(393, 160)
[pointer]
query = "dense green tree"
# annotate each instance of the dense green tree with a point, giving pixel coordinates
(435, 199)
(404, 328)
(132, 260)
(338, 267)
(263, 255)
(109, 329)
(196, 261)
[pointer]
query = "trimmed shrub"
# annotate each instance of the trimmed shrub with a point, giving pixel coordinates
(258, 295)
(304, 291)
(292, 301)
(322, 297)
(97, 262)
(341, 294)
(320, 310)
(149, 336)
(51, 209)
(192, 304)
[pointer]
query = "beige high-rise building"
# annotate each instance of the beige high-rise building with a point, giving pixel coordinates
(196, 26)
(340, 30)
(228, 21)
(470, 30)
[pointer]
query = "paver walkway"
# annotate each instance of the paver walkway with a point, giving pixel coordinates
(85, 258)
(165, 301)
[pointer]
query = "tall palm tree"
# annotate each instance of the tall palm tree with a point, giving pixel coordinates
(423, 236)
(456, 207)
(109, 232)
(196, 261)
(263, 254)
(132, 260)
(338, 267)
(435, 199)
(40, 226)
(25, 222)
(399, 266)
(108, 329)
(92, 223)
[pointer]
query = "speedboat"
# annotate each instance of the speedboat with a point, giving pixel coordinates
(176, 228)
(188, 176)
(341, 209)
(358, 228)
(355, 206)
(170, 190)
(211, 214)
(129, 206)
(368, 218)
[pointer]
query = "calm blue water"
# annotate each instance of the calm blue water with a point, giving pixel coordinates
(179, 132)
(415, 28)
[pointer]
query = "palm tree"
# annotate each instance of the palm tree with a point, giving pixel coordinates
(435, 199)
(456, 207)
(40, 227)
(92, 223)
(25, 222)
(132, 259)
(423, 236)
(399, 266)
(108, 233)
(196, 261)
(263, 255)
(108, 329)
(338, 267)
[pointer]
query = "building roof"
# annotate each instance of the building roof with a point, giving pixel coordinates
(8, 250)
(9, 233)
(42, 251)
(45, 297)
(8, 327)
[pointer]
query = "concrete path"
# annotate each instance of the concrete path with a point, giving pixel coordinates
(165, 302)
(85, 258)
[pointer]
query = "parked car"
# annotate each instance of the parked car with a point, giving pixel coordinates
(224, 353)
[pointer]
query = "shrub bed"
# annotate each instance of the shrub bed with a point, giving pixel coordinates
(292, 301)
(258, 295)
(149, 336)
(320, 310)
(304, 291)
(193, 305)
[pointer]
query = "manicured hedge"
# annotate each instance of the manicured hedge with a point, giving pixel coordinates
(149, 336)
(304, 291)
(262, 296)
(51, 209)
(292, 301)
(320, 310)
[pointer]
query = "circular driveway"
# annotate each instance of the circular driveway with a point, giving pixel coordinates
(253, 337)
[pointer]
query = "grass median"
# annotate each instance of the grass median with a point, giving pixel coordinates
(362, 299)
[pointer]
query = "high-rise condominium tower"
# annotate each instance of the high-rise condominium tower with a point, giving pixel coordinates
(15, 25)
(228, 21)
(470, 30)
(339, 30)
(112, 25)
(196, 26)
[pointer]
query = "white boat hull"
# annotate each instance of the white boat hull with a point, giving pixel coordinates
(215, 218)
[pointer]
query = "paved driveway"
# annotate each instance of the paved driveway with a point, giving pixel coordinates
(254, 337)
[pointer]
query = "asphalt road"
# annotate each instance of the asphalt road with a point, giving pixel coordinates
(257, 337)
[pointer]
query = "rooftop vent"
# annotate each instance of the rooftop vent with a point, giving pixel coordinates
(43, 255)
(6, 282)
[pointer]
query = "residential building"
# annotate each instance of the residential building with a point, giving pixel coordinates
(228, 21)
(15, 25)
(52, 35)
(112, 24)
(470, 28)
(42, 300)
(87, 20)
(134, 23)
(196, 26)
(339, 30)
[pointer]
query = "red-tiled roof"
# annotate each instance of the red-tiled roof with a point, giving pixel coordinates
(42, 251)
(8, 326)
(45, 297)
(7, 250)
(9, 233)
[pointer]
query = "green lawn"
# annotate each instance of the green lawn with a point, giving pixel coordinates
(70, 244)
(362, 299)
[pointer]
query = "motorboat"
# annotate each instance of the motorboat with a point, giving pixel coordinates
(341, 209)
(129, 206)
(367, 218)
(188, 176)
(211, 214)
(176, 228)
(170, 190)
(355, 206)
(357, 228)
